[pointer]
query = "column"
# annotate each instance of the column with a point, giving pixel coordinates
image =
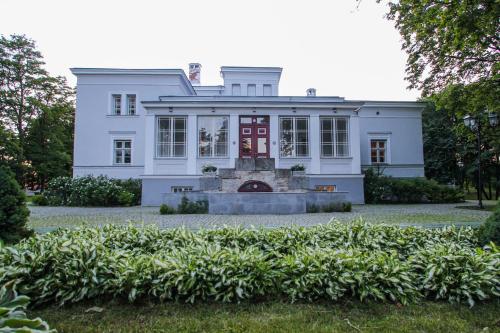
(149, 142)
(355, 144)
(315, 144)
(274, 128)
(234, 138)
(192, 145)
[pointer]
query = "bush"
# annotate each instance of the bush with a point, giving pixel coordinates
(298, 167)
(330, 208)
(93, 191)
(166, 210)
(334, 261)
(208, 168)
(489, 231)
(383, 189)
(12, 313)
(39, 200)
(188, 207)
(13, 211)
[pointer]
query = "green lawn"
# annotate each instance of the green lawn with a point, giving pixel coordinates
(274, 317)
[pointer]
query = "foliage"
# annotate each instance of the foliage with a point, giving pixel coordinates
(189, 207)
(30, 100)
(167, 210)
(298, 167)
(208, 168)
(92, 191)
(12, 313)
(379, 189)
(133, 186)
(448, 42)
(334, 261)
(13, 211)
(490, 230)
(40, 200)
(330, 208)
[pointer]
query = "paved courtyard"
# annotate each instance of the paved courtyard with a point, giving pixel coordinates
(48, 218)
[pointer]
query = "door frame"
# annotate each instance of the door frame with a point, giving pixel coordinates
(254, 136)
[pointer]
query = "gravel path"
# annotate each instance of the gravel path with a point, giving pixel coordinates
(47, 218)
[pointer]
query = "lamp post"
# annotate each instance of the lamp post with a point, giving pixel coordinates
(474, 124)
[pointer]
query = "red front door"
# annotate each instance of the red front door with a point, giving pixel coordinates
(254, 136)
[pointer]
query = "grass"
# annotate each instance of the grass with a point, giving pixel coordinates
(272, 316)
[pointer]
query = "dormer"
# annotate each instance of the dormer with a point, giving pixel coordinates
(251, 81)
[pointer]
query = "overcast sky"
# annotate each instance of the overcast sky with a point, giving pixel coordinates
(330, 45)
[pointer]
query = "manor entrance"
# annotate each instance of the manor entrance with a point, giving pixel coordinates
(254, 136)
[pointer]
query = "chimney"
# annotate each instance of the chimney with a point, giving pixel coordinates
(311, 92)
(194, 73)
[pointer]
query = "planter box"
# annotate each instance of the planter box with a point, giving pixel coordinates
(299, 173)
(209, 173)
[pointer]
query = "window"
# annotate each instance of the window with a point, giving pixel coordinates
(267, 90)
(171, 137)
(122, 151)
(117, 104)
(334, 137)
(251, 90)
(180, 189)
(213, 136)
(294, 137)
(236, 90)
(325, 188)
(378, 151)
(131, 105)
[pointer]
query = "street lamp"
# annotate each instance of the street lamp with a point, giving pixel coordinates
(474, 124)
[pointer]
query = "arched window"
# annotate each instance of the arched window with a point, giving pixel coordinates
(255, 186)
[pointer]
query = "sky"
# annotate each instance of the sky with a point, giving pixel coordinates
(331, 45)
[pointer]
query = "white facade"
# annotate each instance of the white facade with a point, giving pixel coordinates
(153, 124)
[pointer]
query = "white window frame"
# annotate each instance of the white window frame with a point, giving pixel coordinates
(114, 105)
(171, 143)
(124, 109)
(112, 150)
(213, 142)
(334, 136)
(380, 137)
(294, 138)
(128, 104)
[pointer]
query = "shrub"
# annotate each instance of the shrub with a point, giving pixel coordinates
(12, 313)
(40, 200)
(93, 191)
(298, 167)
(208, 168)
(13, 211)
(380, 189)
(489, 231)
(334, 261)
(189, 207)
(312, 208)
(166, 210)
(330, 208)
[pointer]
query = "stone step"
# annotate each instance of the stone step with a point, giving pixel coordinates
(255, 164)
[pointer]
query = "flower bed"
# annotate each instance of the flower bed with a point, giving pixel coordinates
(335, 261)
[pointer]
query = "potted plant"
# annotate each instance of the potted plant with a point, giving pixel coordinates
(298, 170)
(209, 170)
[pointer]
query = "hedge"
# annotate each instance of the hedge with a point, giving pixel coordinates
(331, 262)
(384, 189)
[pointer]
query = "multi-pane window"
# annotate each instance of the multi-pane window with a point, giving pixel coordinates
(378, 151)
(334, 137)
(117, 104)
(294, 137)
(171, 137)
(131, 104)
(213, 136)
(122, 151)
(180, 189)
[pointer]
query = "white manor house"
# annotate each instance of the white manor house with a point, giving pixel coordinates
(163, 127)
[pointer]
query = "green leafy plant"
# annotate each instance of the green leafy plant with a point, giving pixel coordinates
(166, 210)
(40, 200)
(13, 211)
(12, 313)
(189, 207)
(208, 168)
(489, 231)
(298, 167)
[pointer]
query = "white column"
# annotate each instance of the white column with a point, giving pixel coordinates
(355, 144)
(234, 138)
(149, 149)
(192, 145)
(274, 128)
(315, 144)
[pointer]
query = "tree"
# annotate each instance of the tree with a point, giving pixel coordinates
(448, 41)
(26, 91)
(13, 211)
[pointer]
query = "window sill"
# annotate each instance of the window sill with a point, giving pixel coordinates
(295, 158)
(213, 157)
(170, 158)
(336, 158)
(122, 116)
